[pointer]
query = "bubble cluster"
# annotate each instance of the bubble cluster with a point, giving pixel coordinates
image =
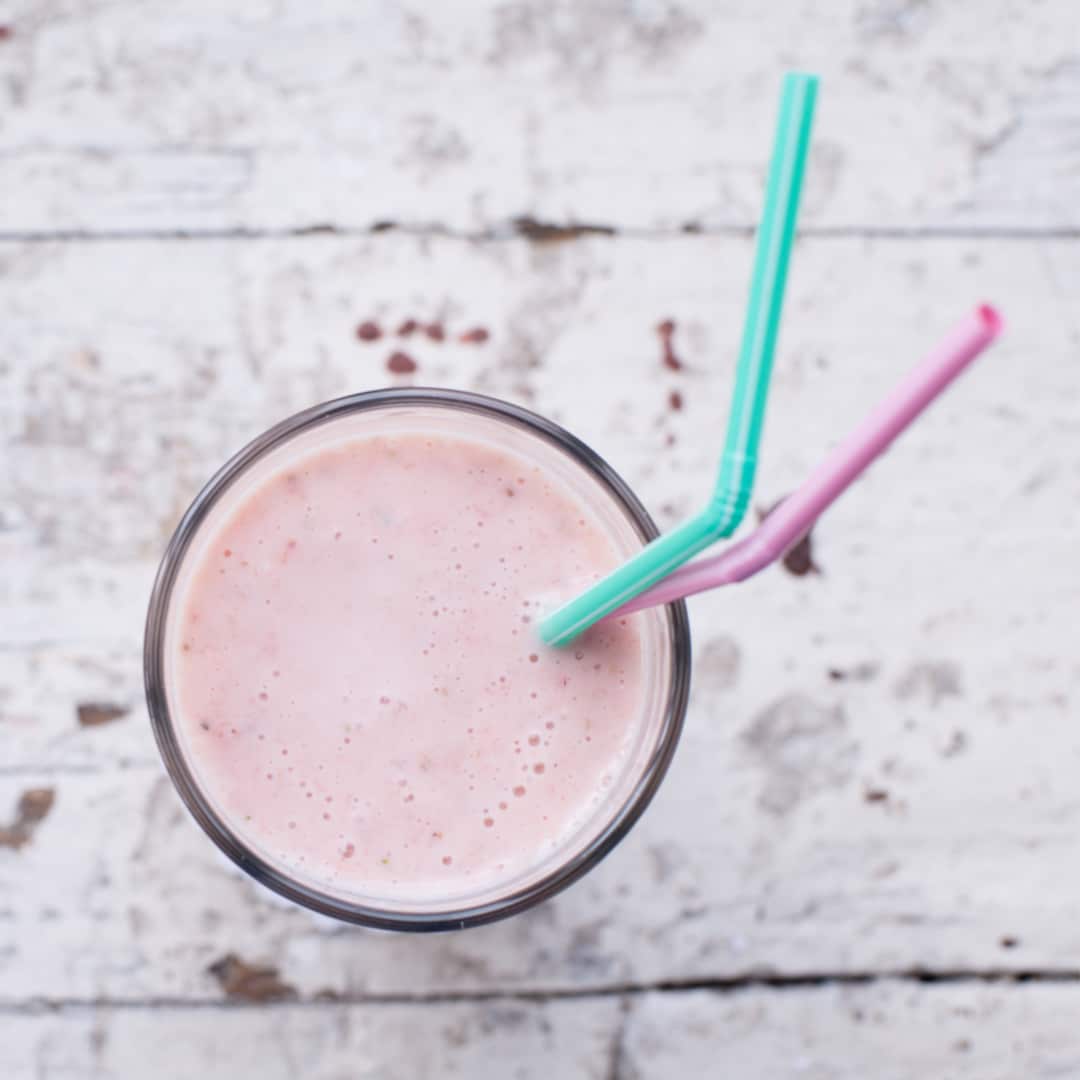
(360, 668)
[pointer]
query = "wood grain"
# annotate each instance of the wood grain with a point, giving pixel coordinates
(468, 115)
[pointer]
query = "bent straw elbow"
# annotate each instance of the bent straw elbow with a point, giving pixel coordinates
(727, 510)
(752, 374)
(648, 566)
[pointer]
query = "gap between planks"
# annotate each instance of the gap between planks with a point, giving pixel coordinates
(535, 231)
(722, 986)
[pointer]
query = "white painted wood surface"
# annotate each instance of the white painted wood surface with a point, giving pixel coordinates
(877, 778)
(466, 113)
(888, 1030)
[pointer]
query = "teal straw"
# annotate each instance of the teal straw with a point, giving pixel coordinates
(738, 462)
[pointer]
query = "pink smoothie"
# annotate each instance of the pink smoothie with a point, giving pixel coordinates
(357, 677)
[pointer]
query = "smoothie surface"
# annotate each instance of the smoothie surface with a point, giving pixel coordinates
(358, 678)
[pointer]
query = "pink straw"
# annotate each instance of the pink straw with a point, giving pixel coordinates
(793, 518)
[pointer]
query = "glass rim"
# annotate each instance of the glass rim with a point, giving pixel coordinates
(279, 880)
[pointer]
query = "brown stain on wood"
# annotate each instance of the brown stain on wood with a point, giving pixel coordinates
(478, 335)
(33, 807)
(94, 714)
(668, 357)
(798, 560)
(242, 981)
(400, 363)
(548, 232)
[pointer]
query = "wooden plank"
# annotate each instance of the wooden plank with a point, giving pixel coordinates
(891, 1031)
(127, 117)
(878, 769)
(484, 1041)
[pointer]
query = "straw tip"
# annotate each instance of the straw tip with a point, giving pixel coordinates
(990, 317)
(804, 77)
